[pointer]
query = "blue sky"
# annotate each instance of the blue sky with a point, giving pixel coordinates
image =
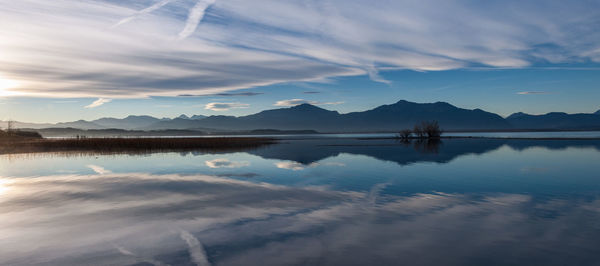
(68, 59)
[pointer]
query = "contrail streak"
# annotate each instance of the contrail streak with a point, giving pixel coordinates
(126, 252)
(195, 248)
(98, 169)
(142, 12)
(195, 16)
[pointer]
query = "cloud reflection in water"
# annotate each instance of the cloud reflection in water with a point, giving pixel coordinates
(199, 219)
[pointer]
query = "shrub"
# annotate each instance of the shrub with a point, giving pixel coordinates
(423, 130)
(432, 129)
(405, 134)
(418, 131)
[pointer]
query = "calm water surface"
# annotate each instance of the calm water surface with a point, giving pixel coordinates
(531, 135)
(308, 202)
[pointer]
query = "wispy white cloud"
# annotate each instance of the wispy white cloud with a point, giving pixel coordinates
(195, 16)
(124, 251)
(533, 92)
(294, 102)
(226, 163)
(295, 166)
(211, 208)
(127, 252)
(195, 248)
(98, 169)
(224, 106)
(330, 103)
(375, 76)
(142, 12)
(98, 102)
(235, 44)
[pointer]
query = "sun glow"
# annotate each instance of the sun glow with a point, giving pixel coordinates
(6, 85)
(3, 186)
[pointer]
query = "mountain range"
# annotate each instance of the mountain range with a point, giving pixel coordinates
(392, 117)
(555, 121)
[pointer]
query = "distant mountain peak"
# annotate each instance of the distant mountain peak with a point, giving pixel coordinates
(402, 102)
(183, 117)
(196, 117)
(597, 112)
(517, 115)
(139, 116)
(443, 103)
(557, 113)
(305, 106)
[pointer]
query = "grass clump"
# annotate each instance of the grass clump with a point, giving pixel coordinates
(130, 145)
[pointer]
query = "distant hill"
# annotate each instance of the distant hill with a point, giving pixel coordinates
(385, 118)
(130, 122)
(555, 121)
(196, 117)
(82, 124)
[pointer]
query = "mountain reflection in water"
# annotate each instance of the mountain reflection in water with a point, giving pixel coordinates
(310, 202)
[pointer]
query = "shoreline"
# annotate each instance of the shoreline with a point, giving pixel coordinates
(130, 145)
(143, 145)
(483, 137)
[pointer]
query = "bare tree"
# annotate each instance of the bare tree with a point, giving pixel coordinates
(432, 129)
(405, 134)
(10, 126)
(418, 131)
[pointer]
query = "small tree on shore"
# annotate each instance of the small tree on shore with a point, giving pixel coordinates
(418, 131)
(423, 130)
(405, 134)
(432, 129)
(10, 126)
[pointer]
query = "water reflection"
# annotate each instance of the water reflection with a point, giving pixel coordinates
(313, 150)
(225, 163)
(131, 218)
(340, 202)
(426, 146)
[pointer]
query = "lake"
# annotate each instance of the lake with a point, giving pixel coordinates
(529, 135)
(313, 201)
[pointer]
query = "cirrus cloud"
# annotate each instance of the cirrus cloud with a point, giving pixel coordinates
(70, 48)
(294, 102)
(225, 163)
(224, 106)
(98, 102)
(295, 166)
(532, 92)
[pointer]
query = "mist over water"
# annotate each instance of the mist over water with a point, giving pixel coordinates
(310, 201)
